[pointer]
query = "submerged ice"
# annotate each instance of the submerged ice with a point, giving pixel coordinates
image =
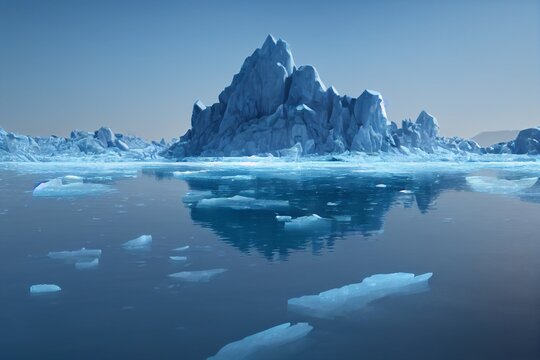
(263, 342)
(238, 202)
(197, 276)
(340, 301)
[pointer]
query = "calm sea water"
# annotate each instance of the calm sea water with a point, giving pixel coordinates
(482, 247)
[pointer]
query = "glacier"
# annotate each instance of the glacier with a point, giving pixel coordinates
(258, 344)
(338, 302)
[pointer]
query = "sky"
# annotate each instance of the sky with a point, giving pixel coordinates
(138, 66)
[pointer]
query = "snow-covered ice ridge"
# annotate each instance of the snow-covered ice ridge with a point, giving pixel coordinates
(102, 144)
(274, 108)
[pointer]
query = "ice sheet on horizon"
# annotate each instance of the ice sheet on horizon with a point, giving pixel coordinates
(238, 202)
(257, 344)
(492, 185)
(197, 276)
(340, 301)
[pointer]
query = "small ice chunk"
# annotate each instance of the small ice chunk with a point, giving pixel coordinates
(86, 265)
(238, 202)
(306, 223)
(194, 196)
(197, 276)
(69, 186)
(330, 203)
(342, 218)
(493, 185)
(406, 191)
(75, 254)
(178, 258)
(261, 342)
(380, 185)
(44, 288)
(142, 242)
(283, 218)
(181, 248)
(338, 302)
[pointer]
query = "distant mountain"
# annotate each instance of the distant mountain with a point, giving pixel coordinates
(487, 138)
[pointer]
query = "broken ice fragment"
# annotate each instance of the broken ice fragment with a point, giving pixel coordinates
(406, 191)
(44, 288)
(197, 276)
(69, 186)
(178, 258)
(181, 248)
(75, 254)
(264, 341)
(142, 242)
(380, 185)
(338, 302)
(493, 185)
(238, 202)
(306, 223)
(85, 265)
(283, 218)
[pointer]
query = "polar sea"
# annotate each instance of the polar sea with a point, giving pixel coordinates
(231, 242)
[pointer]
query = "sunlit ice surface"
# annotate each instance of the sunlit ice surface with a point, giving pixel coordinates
(226, 243)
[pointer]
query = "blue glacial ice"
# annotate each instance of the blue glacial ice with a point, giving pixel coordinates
(143, 242)
(492, 185)
(69, 186)
(44, 288)
(338, 302)
(259, 344)
(197, 276)
(238, 202)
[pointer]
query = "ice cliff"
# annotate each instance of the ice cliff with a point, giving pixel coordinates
(274, 107)
(101, 144)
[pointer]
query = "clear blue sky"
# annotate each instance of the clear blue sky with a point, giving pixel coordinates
(138, 66)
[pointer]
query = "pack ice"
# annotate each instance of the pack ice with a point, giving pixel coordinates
(70, 186)
(494, 185)
(262, 342)
(340, 301)
(197, 276)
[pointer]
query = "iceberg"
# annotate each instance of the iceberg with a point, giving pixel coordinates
(238, 202)
(141, 243)
(493, 185)
(75, 254)
(86, 265)
(257, 344)
(68, 186)
(274, 108)
(44, 288)
(338, 302)
(309, 223)
(197, 276)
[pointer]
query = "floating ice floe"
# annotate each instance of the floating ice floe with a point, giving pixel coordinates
(178, 258)
(83, 253)
(181, 248)
(283, 218)
(142, 242)
(86, 265)
(197, 276)
(493, 185)
(406, 191)
(194, 196)
(380, 185)
(238, 202)
(307, 223)
(69, 185)
(44, 288)
(342, 218)
(262, 342)
(239, 177)
(338, 302)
